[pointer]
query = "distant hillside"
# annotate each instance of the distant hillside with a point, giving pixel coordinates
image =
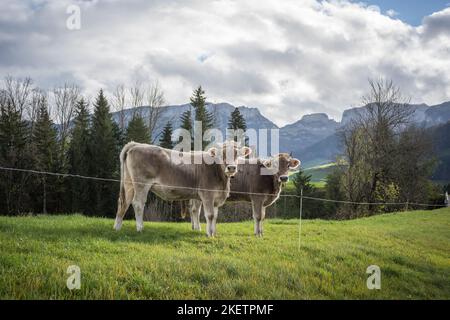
(307, 131)
(441, 141)
(322, 152)
(438, 114)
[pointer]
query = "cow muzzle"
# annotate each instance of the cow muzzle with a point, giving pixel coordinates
(284, 179)
(231, 170)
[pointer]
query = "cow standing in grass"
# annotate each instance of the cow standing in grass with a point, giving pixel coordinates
(254, 184)
(174, 175)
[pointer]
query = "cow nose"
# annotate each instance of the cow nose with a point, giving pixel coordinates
(231, 168)
(284, 178)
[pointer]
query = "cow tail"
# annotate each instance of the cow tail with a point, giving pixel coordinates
(123, 158)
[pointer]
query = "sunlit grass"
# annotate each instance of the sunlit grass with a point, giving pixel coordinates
(170, 261)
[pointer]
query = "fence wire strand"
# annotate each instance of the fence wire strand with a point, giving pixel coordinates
(70, 175)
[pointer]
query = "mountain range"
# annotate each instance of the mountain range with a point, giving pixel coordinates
(313, 138)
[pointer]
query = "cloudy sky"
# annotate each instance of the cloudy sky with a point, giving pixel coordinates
(289, 58)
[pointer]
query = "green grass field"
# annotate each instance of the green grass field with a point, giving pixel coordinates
(170, 261)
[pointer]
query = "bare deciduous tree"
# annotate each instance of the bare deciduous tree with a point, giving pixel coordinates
(38, 98)
(119, 104)
(385, 107)
(135, 97)
(155, 100)
(372, 145)
(387, 112)
(137, 94)
(65, 99)
(17, 92)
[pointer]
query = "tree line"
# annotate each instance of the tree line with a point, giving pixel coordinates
(385, 159)
(55, 132)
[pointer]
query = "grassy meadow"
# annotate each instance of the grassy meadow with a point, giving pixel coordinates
(170, 261)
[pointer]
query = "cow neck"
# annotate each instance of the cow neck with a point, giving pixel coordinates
(276, 185)
(224, 179)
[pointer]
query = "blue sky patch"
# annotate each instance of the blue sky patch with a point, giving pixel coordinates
(410, 11)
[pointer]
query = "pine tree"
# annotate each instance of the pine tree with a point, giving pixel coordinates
(237, 122)
(166, 138)
(198, 101)
(186, 124)
(311, 209)
(46, 156)
(104, 159)
(137, 130)
(79, 158)
(303, 181)
(14, 134)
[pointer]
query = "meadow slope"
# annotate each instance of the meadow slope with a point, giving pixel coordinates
(170, 261)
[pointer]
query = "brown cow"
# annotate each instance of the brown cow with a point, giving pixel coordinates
(174, 175)
(250, 186)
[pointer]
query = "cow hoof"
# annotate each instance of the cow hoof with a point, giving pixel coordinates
(117, 225)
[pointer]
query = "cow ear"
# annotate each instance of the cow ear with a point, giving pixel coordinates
(294, 164)
(267, 163)
(213, 152)
(246, 151)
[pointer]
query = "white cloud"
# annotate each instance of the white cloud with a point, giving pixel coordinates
(287, 57)
(391, 13)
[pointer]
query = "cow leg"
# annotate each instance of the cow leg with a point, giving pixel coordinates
(257, 208)
(123, 204)
(140, 196)
(209, 209)
(195, 209)
(261, 221)
(183, 208)
(214, 222)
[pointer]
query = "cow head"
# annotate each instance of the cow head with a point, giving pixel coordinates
(227, 155)
(281, 164)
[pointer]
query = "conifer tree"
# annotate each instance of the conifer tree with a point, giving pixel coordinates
(186, 124)
(198, 101)
(303, 181)
(237, 122)
(13, 145)
(104, 160)
(46, 157)
(137, 130)
(79, 158)
(166, 137)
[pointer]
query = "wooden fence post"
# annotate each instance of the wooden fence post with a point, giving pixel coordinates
(300, 221)
(447, 201)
